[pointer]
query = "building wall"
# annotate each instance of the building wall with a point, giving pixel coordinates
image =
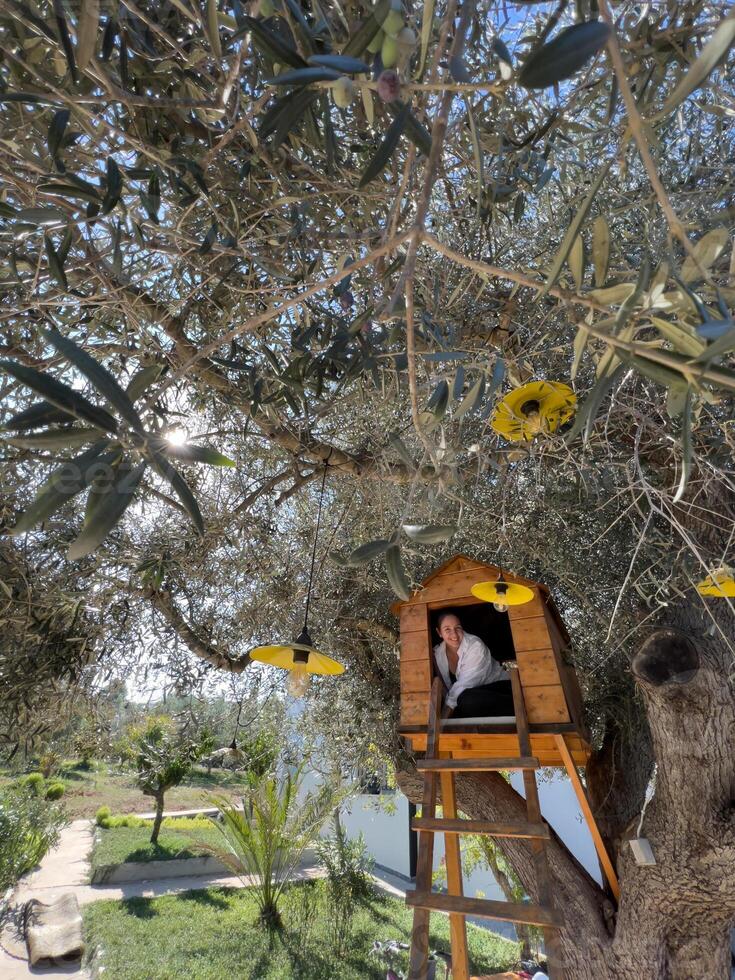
(383, 820)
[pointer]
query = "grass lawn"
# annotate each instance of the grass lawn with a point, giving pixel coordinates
(123, 844)
(89, 789)
(212, 934)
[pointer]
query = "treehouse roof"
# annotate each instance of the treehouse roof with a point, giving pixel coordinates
(483, 570)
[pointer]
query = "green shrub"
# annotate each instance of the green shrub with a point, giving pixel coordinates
(54, 791)
(348, 866)
(29, 826)
(49, 763)
(34, 783)
(104, 813)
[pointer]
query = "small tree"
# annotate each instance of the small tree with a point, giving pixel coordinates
(163, 756)
(269, 835)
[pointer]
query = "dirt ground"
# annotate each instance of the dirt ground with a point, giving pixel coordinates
(88, 789)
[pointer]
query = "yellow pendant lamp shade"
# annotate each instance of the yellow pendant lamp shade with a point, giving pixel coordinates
(502, 594)
(299, 654)
(720, 585)
(301, 658)
(540, 406)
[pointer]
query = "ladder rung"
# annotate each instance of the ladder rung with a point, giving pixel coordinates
(478, 765)
(437, 825)
(532, 915)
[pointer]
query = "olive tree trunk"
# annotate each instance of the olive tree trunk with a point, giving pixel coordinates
(158, 819)
(674, 918)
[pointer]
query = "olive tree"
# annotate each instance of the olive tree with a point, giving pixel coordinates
(243, 249)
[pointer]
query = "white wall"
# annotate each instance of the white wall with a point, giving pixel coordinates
(383, 820)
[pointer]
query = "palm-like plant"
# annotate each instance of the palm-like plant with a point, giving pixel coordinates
(268, 836)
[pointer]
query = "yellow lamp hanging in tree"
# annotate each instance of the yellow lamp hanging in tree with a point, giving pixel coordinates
(301, 657)
(540, 406)
(502, 594)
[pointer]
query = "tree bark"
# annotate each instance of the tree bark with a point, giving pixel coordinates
(158, 819)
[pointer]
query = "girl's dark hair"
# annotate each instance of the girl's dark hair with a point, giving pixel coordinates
(443, 615)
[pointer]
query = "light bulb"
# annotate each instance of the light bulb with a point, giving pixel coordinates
(298, 681)
(500, 606)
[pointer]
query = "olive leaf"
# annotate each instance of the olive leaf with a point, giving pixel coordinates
(472, 399)
(340, 63)
(367, 30)
(713, 52)
(55, 264)
(304, 76)
(64, 483)
(108, 500)
(56, 130)
(367, 552)
(180, 487)
(418, 134)
(600, 249)
(565, 55)
(706, 252)
(396, 575)
(188, 452)
(98, 375)
(41, 413)
(64, 438)
(60, 395)
(270, 43)
(573, 231)
(87, 28)
(686, 446)
(429, 533)
(575, 260)
(386, 149)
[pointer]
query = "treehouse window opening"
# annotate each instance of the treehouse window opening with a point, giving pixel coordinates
(477, 686)
(481, 620)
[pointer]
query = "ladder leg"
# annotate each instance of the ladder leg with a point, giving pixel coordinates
(418, 966)
(457, 925)
(552, 941)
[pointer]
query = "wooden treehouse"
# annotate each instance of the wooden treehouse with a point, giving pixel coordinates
(546, 729)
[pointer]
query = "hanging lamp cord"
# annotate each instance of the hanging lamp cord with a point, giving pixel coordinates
(316, 538)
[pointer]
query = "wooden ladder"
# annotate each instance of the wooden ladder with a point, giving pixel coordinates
(424, 901)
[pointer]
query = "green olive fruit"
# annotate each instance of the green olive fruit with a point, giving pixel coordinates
(343, 91)
(389, 52)
(393, 23)
(266, 8)
(377, 43)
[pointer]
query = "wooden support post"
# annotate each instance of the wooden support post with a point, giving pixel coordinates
(457, 926)
(603, 856)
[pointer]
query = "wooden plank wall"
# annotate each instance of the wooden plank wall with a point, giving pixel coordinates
(415, 664)
(567, 674)
(538, 664)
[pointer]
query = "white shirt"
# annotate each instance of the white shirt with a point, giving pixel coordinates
(475, 666)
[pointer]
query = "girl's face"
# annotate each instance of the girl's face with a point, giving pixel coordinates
(451, 632)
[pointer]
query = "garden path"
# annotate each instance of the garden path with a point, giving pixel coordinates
(66, 868)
